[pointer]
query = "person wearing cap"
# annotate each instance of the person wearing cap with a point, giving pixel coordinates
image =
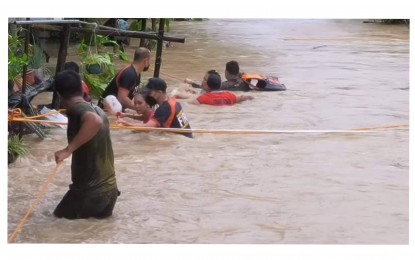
(124, 84)
(169, 114)
(215, 96)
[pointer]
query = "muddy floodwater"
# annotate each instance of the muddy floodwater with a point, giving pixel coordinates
(285, 188)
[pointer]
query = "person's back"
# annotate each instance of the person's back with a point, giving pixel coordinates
(93, 162)
(93, 192)
(215, 96)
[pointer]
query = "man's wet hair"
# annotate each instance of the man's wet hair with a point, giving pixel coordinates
(210, 72)
(71, 65)
(68, 84)
(232, 67)
(214, 81)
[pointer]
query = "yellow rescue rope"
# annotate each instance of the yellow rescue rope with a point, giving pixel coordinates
(41, 193)
(14, 117)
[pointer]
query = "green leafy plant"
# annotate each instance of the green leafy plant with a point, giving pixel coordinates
(98, 55)
(17, 58)
(16, 148)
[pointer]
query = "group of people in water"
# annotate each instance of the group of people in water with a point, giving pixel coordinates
(94, 190)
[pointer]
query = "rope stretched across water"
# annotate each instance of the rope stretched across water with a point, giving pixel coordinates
(232, 131)
(41, 193)
(212, 131)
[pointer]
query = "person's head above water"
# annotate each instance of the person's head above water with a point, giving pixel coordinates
(232, 67)
(214, 81)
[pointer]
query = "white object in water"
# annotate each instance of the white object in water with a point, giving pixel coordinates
(54, 117)
(112, 105)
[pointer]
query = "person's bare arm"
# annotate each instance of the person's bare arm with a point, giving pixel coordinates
(192, 83)
(91, 123)
(150, 123)
(242, 98)
(125, 101)
(132, 116)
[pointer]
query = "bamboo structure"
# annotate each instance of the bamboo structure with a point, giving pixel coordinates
(65, 27)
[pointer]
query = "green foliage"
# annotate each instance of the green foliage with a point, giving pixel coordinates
(16, 146)
(17, 58)
(97, 83)
(103, 57)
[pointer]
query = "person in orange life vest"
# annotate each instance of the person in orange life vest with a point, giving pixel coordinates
(169, 114)
(216, 97)
(143, 106)
(70, 65)
(124, 84)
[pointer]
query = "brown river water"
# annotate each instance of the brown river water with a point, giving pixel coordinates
(285, 188)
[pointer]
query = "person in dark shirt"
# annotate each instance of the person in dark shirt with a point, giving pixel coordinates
(93, 192)
(234, 81)
(169, 114)
(126, 82)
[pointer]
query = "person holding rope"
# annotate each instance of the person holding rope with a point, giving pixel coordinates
(125, 82)
(94, 191)
(169, 114)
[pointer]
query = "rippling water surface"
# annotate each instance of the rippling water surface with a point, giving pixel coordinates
(287, 188)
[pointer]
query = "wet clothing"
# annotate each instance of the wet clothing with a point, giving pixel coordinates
(235, 83)
(125, 78)
(170, 114)
(93, 191)
(151, 115)
(217, 98)
(75, 205)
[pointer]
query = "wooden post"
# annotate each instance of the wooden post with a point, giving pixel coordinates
(143, 28)
(159, 48)
(24, 80)
(63, 50)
